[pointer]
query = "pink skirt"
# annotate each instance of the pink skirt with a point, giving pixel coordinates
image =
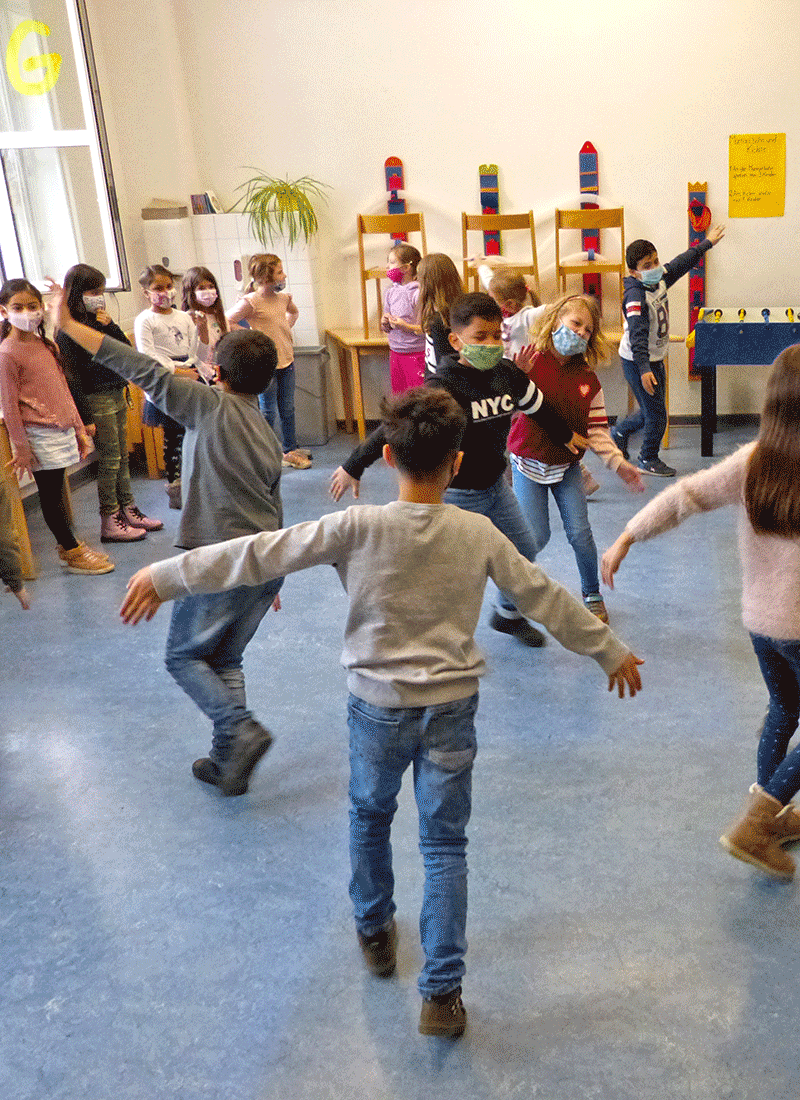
(406, 369)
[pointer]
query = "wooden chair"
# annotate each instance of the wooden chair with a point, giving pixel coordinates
(139, 434)
(613, 218)
(492, 222)
(391, 224)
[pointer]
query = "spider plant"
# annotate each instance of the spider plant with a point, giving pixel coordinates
(281, 207)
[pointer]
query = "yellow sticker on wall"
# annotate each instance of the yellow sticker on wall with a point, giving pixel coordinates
(757, 175)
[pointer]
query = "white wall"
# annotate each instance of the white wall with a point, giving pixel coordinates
(330, 88)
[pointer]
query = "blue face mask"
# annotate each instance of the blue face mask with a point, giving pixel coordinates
(653, 276)
(278, 287)
(567, 343)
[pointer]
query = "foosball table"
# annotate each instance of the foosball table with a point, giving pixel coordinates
(739, 336)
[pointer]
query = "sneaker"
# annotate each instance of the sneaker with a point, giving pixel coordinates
(173, 491)
(443, 1015)
(520, 628)
(115, 528)
(620, 441)
(655, 467)
(594, 601)
(245, 752)
(85, 560)
(136, 518)
(379, 950)
(589, 482)
(62, 554)
(297, 460)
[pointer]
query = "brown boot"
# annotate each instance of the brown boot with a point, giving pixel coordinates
(380, 950)
(788, 821)
(756, 836)
(443, 1015)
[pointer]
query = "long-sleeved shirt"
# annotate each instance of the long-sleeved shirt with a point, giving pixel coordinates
(272, 314)
(400, 301)
(84, 374)
(770, 565)
(231, 458)
(33, 390)
(645, 309)
(409, 635)
(169, 338)
(488, 397)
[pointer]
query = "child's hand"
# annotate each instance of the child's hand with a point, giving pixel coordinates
(85, 445)
(276, 604)
(201, 324)
(23, 596)
(715, 234)
(104, 317)
(631, 476)
(627, 673)
(23, 462)
(341, 481)
(649, 382)
(577, 444)
(613, 558)
(142, 600)
(524, 357)
(385, 323)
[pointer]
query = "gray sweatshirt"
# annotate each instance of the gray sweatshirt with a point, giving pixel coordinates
(231, 458)
(415, 576)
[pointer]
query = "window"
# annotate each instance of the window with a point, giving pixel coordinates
(57, 200)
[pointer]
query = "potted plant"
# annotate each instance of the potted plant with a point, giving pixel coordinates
(281, 208)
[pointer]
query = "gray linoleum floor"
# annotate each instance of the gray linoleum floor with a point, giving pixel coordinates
(160, 942)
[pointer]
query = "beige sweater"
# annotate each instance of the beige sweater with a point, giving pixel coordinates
(770, 565)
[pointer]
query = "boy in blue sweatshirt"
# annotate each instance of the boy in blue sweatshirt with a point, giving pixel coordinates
(645, 343)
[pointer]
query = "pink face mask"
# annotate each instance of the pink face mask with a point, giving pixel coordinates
(206, 297)
(395, 274)
(28, 321)
(161, 298)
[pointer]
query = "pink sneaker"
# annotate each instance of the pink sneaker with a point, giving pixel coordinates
(137, 518)
(117, 529)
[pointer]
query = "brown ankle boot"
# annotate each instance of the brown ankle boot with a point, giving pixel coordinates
(788, 821)
(757, 836)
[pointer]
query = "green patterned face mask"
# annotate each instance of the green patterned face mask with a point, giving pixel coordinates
(482, 356)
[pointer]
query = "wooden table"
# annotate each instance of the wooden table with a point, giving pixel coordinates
(354, 342)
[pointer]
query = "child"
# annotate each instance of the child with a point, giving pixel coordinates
(406, 338)
(232, 469)
(10, 569)
(517, 299)
(568, 344)
(413, 669)
(201, 300)
(488, 388)
(42, 421)
(104, 394)
(762, 481)
(169, 336)
(645, 344)
(439, 286)
(266, 308)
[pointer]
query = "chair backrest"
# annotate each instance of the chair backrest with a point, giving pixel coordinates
(489, 223)
(610, 218)
(394, 225)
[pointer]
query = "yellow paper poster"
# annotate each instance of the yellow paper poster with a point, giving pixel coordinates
(757, 175)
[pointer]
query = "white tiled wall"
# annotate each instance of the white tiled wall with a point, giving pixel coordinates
(222, 239)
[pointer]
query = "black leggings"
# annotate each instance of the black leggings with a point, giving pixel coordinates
(173, 444)
(50, 484)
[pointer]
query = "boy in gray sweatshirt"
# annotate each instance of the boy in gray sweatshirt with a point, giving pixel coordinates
(415, 572)
(231, 487)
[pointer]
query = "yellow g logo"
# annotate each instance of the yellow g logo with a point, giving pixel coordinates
(50, 62)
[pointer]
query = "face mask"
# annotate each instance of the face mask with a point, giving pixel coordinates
(395, 274)
(278, 287)
(161, 298)
(566, 342)
(482, 356)
(94, 302)
(206, 297)
(653, 276)
(28, 321)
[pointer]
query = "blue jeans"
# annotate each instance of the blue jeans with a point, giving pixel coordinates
(205, 646)
(652, 411)
(278, 400)
(502, 508)
(440, 742)
(779, 662)
(571, 501)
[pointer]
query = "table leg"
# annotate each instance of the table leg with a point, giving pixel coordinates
(708, 410)
(355, 365)
(347, 392)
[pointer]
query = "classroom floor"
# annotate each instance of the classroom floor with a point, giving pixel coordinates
(160, 941)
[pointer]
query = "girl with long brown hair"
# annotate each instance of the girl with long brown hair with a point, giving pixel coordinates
(763, 480)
